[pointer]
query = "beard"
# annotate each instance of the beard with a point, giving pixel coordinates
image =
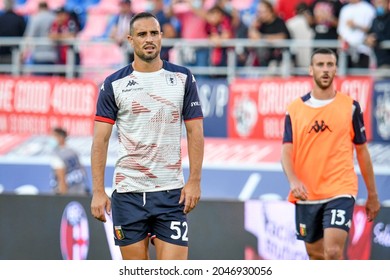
(146, 57)
(324, 85)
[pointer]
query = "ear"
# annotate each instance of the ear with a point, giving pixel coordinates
(311, 70)
(130, 40)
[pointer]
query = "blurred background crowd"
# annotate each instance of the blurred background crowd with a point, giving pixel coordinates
(357, 27)
(250, 59)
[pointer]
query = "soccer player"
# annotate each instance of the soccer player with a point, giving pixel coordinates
(322, 129)
(148, 100)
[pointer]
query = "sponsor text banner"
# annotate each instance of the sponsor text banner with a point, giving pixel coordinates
(34, 105)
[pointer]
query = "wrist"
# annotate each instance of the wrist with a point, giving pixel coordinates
(372, 195)
(194, 180)
(98, 190)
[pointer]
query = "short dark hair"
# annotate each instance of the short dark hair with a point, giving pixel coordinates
(43, 5)
(216, 8)
(301, 8)
(60, 131)
(322, 51)
(140, 16)
(269, 5)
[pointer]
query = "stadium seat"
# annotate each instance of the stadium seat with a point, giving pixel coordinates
(101, 56)
(80, 5)
(138, 6)
(27, 8)
(244, 4)
(55, 4)
(95, 26)
(105, 7)
(30, 7)
(98, 54)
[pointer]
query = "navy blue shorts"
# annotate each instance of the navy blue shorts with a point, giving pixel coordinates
(312, 219)
(154, 214)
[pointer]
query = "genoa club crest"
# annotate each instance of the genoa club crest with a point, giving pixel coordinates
(119, 233)
(302, 229)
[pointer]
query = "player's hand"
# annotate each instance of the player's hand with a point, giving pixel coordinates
(372, 207)
(298, 190)
(190, 195)
(100, 205)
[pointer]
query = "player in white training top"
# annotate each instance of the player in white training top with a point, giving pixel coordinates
(148, 101)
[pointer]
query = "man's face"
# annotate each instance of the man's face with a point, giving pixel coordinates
(214, 17)
(381, 3)
(264, 13)
(125, 8)
(323, 69)
(145, 38)
(62, 17)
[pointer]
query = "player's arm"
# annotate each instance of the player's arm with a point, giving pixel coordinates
(195, 142)
(367, 171)
(364, 160)
(297, 189)
(100, 201)
(59, 169)
(60, 174)
(287, 162)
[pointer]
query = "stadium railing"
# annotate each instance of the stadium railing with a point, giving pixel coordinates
(285, 69)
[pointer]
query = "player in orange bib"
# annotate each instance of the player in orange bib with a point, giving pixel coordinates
(322, 129)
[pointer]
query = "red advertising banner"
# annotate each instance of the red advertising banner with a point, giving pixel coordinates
(257, 107)
(34, 105)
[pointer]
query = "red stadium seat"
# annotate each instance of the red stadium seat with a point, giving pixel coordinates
(138, 6)
(105, 7)
(242, 4)
(101, 56)
(31, 6)
(95, 26)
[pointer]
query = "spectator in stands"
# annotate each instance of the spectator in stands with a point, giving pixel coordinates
(120, 29)
(287, 9)
(192, 18)
(269, 27)
(355, 21)
(69, 175)
(219, 27)
(168, 27)
(240, 29)
(120, 25)
(300, 29)
(11, 25)
(324, 19)
(38, 27)
(379, 32)
(65, 27)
